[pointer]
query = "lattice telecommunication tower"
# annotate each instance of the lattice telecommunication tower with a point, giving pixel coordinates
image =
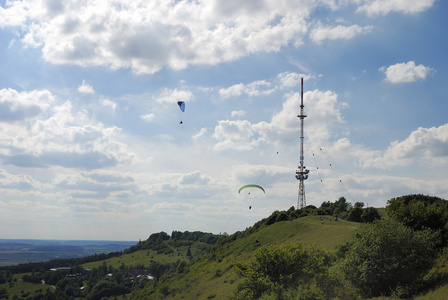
(302, 172)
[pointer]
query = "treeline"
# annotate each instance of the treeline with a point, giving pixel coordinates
(156, 241)
(340, 209)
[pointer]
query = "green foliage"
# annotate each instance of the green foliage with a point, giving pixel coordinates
(298, 270)
(420, 212)
(387, 257)
(338, 208)
(161, 242)
(4, 293)
(182, 267)
(154, 242)
(278, 266)
(106, 288)
(344, 210)
(5, 276)
(208, 238)
(359, 204)
(438, 275)
(369, 215)
(355, 214)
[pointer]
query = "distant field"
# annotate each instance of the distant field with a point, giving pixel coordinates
(13, 252)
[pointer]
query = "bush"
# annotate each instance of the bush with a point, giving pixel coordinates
(387, 256)
(279, 268)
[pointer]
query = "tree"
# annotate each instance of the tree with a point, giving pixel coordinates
(339, 208)
(189, 255)
(369, 215)
(359, 204)
(355, 214)
(341, 205)
(387, 257)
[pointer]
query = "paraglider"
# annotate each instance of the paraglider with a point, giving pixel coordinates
(182, 108)
(251, 186)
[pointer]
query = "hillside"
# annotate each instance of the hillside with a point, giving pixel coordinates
(212, 275)
(208, 264)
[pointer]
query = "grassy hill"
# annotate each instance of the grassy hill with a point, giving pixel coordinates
(212, 276)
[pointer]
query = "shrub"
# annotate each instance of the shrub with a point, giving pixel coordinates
(387, 256)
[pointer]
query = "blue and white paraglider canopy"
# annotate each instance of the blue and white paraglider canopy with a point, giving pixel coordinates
(181, 105)
(182, 108)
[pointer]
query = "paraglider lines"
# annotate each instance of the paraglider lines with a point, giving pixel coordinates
(337, 175)
(330, 165)
(320, 177)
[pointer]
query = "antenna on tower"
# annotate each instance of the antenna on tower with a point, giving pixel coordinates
(302, 172)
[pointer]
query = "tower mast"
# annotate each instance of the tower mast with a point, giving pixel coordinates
(302, 172)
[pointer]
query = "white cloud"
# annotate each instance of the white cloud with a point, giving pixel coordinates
(147, 36)
(290, 79)
(18, 182)
(406, 72)
(323, 107)
(95, 185)
(383, 7)
(109, 103)
(324, 32)
(235, 135)
(86, 88)
(195, 178)
(200, 134)
(148, 117)
(232, 91)
(59, 137)
(242, 135)
(15, 106)
(237, 113)
(424, 145)
(252, 89)
(285, 80)
(171, 96)
(14, 14)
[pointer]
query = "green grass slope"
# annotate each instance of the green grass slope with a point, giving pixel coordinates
(212, 276)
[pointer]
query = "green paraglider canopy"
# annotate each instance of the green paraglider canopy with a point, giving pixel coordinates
(251, 186)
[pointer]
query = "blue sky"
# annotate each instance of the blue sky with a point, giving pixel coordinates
(90, 141)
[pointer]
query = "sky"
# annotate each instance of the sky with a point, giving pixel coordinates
(91, 145)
